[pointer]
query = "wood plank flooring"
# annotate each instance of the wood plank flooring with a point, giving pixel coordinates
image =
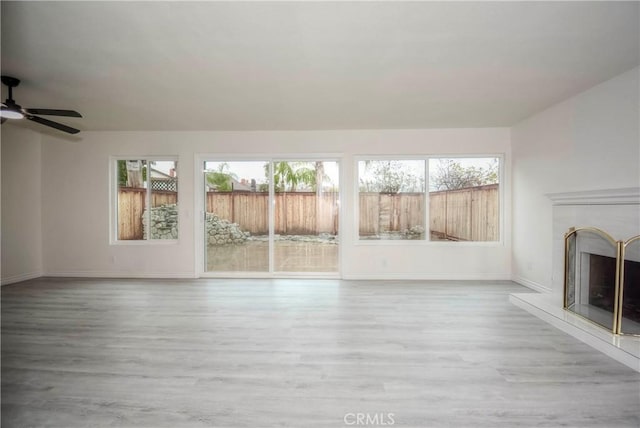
(296, 353)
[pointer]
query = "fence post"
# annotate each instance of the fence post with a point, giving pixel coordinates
(446, 215)
(471, 214)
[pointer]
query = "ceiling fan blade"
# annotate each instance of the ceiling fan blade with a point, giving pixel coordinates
(53, 124)
(52, 112)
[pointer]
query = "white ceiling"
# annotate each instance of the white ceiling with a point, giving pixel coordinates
(303, 65)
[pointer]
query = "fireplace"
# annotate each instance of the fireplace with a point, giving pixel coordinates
(602, 279)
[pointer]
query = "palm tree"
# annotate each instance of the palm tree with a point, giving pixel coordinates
(287, 176)
(305, 176)
(320, 177)
(222, 179)
(283, 175)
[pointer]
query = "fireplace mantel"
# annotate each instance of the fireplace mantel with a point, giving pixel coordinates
(622, 196)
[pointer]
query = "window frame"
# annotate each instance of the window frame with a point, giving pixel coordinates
(427, 241)
(113, 199)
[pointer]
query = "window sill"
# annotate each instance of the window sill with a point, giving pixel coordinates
(145, 242)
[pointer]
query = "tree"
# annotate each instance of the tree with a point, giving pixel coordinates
(320, 177)
(122, 173)
(222, 179)
(287, 176)
(390, 177)
(451, 175)
(132, 173)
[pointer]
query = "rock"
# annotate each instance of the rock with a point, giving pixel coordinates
(163, 221)
(224, 232)
(414, 232)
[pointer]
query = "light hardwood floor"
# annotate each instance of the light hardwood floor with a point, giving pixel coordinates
(296, 353)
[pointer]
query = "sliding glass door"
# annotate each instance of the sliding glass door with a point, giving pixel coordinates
(271, 216)
(306, 216)
(237, 216)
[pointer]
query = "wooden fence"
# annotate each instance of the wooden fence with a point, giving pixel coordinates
(470, 214)
(466, 214)
(132, 202)
(390, 212)
(300, 213)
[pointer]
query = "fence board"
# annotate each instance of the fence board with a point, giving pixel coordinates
(163, 197)
(250, 211)
(369, 214)
(486, 218)
(220, 204)
(438, 212)
(470, 214)
(386, 212)
(411, 208)
(327, 213)
(131, 204)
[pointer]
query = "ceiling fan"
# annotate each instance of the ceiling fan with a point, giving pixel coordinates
(11, 110)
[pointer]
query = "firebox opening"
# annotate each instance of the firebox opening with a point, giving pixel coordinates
(631, 296)
(601, 291)
(602, 281)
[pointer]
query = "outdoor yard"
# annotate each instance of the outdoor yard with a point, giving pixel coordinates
(309, 254)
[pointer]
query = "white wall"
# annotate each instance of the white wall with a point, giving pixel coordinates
(21, 204)
(588, 142)
(76, 201)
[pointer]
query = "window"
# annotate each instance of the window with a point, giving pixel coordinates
(391, 199)
(147, 199)
(463, 199)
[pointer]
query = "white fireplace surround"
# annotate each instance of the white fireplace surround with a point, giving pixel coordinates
(615, 211)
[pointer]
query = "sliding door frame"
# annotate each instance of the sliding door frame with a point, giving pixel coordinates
(200, 212)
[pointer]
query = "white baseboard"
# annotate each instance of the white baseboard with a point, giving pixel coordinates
(19, 278)
(430, 277)
(111, 274)
(531, 284)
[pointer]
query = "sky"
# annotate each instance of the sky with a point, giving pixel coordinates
(164, 166)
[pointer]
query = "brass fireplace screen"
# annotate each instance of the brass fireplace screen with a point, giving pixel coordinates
(602, 279)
